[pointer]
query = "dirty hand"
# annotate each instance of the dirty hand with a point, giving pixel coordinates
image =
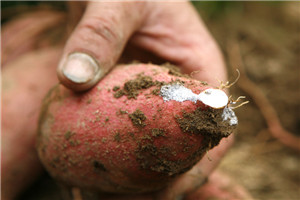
(172, 32)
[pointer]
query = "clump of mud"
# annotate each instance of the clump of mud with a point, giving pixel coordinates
(138, 118)
(131, 88)
(208, 123)
(148, 157)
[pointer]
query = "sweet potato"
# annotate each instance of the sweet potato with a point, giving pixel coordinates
(122, 136)
(25, 81)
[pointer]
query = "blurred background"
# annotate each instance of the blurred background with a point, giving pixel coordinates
(261, 39)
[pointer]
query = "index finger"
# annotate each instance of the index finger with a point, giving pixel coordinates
(97, 42)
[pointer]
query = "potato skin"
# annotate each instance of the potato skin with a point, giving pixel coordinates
(25, 82)
(102, 141)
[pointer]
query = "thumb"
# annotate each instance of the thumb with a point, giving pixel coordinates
(97, 42)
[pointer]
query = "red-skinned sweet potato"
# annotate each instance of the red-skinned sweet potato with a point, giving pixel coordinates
(25, 82)
(121, 136)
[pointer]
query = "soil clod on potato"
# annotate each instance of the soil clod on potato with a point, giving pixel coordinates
(138, 118)
(131, 88)
(117, 137)
(156, 91)
(68, 135)
(206, 122)
(153, 158)
(116, 88)
(156, 132)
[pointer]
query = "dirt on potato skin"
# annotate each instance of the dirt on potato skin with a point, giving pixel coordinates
(208, 122)
(149, 162)
(205, 122)
(138, 118)
(131, 88)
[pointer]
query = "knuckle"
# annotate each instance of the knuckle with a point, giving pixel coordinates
(102, 28)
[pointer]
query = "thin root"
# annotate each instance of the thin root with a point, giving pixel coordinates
(194, 73)
(208, 157)
(227, 85)
(239, 105)
(232, 102)
(263, 104)
(235, 101)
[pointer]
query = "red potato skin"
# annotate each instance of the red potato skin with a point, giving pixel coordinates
(25, 82)
(88, 140)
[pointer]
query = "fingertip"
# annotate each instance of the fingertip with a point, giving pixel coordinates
(97, 43)
(79, 71)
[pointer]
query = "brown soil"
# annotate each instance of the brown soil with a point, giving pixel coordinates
(206, 122)
(138, 118)
(147, 152)
(156, 132)
(131, 88)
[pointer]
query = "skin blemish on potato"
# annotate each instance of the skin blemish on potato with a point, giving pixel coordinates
(69, 134)
(74, 143)
(122, 112)
(117, 137)
(116, 88)
(89, 101)
(103, 140)
(98, 166)
(156, 132)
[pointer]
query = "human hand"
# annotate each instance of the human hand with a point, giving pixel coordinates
(172, 32)
(149, 31)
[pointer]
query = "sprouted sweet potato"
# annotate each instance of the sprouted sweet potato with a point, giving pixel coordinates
(136, 131)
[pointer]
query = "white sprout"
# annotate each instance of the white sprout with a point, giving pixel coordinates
(214, 98)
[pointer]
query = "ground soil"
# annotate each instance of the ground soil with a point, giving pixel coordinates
(268, 36)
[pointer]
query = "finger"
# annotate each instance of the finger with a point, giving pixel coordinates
(182, 38)
(97, 42)
(220, 186)
(197, 176)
